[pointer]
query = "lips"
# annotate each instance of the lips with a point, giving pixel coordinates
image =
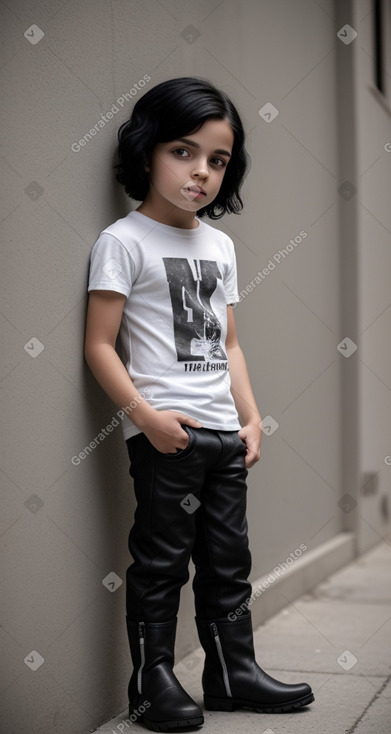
(196, 189)
(191, 191)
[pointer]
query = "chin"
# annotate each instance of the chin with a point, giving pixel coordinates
(190, 206)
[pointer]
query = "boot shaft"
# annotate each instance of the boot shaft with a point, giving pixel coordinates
(228, 647)
(232, 676)
(151, 643)
(229, 654)
(153, 683)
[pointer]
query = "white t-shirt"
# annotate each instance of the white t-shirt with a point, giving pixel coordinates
(177, 284)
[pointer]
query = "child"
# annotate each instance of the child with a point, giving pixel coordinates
(165, 282)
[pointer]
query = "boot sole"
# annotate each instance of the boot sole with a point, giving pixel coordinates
(168, 725)
(231, 704)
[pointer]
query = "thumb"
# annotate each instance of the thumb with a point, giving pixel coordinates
(188, 421)
(242, 434)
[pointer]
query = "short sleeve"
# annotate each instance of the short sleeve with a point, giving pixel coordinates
(110, 266)
(231, 279)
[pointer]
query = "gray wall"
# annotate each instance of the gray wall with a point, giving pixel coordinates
(64, 525)
(373, 115)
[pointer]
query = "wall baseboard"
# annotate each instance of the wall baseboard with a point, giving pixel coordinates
(302, 576)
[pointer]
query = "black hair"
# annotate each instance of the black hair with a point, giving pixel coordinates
(170, 110)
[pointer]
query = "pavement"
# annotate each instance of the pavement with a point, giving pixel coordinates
(336, 638)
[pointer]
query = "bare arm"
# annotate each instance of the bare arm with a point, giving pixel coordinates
(251, 431)
(104, 315)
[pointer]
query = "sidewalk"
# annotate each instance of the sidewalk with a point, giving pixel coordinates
(338, 639)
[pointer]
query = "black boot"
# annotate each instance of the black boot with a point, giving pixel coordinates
(155, 695)
(232, 679)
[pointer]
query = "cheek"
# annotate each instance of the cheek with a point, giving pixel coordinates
(170, 175)
(219, 177)
(162, 178)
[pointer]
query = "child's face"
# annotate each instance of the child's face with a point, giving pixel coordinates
(189, 171)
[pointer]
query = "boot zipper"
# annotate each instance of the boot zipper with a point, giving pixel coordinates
(142, 655)
(221, 658)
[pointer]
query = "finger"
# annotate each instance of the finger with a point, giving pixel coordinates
(253, 458)
(185, 440)
(188, 421)
(250, 462)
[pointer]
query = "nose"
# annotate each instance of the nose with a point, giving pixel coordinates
(201, 169)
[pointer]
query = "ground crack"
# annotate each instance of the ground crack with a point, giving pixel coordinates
(375, 697)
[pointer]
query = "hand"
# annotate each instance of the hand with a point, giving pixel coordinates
(251, 435)
(166, 433)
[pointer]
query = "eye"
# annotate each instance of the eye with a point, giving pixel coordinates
(180, 151)
(218, 162)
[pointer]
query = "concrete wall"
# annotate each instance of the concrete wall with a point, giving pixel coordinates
(64, 525)
(373, 115)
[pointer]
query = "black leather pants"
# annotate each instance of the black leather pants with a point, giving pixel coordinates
(189, 505)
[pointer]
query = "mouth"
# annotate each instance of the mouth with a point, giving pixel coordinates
(192, 191)
(196, 189)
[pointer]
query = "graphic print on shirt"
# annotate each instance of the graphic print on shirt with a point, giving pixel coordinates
(197, 330)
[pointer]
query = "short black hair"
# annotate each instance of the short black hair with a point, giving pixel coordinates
(170, 110)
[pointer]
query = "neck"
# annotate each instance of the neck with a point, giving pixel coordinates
(173, 216)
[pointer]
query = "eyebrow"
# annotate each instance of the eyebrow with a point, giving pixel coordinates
(195, 145)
